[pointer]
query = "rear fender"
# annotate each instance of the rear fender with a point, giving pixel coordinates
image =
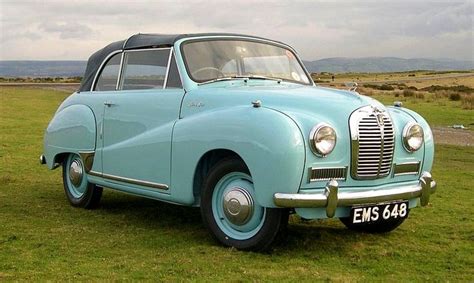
(72, 129)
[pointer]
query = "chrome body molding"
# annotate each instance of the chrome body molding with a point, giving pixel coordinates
(87, 159)
(407, 168)
(331, 198)
(130, 181)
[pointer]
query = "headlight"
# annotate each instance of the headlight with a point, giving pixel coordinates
(413, 137)
(322, 139)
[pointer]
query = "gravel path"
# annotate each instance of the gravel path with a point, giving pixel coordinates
(453, 136)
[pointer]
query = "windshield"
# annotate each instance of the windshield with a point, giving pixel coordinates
(219, 59)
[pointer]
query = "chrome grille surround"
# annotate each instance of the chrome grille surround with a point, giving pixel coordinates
(372, 142)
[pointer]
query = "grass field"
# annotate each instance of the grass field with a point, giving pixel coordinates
(43, 238)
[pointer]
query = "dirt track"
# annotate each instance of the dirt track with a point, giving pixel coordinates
(453, 136)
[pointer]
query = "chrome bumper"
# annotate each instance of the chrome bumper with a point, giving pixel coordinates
(42, 159)
(331, 198)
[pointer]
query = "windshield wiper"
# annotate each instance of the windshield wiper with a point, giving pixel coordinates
(241, 77)
(222, 79)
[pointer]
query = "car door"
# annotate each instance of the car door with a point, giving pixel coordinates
(139, 118)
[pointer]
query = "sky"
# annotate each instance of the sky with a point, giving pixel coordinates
(73, 30)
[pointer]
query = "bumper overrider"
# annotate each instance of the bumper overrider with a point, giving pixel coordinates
(331, 198)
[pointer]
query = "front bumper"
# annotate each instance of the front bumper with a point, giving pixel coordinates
(331, 198)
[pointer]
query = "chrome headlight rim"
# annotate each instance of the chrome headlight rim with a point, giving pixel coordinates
(312, 139)
(407, 135)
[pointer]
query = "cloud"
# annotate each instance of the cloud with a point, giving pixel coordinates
(75, 29)
(66, 30)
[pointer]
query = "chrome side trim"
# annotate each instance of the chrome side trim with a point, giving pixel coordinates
(331, 198)
(130, 180)
(87, 159)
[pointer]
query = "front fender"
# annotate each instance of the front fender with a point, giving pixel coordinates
(269, 142)
(429, 142)
(72, 129)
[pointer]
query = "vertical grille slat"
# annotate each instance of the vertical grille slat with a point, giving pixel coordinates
(373, 140)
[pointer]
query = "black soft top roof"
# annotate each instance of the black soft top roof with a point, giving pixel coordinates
(138, 41)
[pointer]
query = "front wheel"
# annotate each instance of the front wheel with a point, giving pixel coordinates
(79, 191)
(379, 227)
(231, 213)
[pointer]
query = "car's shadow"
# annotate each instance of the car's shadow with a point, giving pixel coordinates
(155, 215)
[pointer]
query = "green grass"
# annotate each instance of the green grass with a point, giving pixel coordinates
(43, 238)
(438, 111)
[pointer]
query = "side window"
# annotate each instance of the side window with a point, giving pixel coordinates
(174, 80)
(145, 69)
(108, 76)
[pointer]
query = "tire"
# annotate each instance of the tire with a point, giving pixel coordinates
(242, 223)
(79, 192)
(374, 228)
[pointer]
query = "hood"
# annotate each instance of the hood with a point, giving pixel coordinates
(296, 101)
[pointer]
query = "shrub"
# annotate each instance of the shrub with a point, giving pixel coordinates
(386, 87)
(408, 93)
(458, 88)
(420, 95)
(455, 96)
(467, 102)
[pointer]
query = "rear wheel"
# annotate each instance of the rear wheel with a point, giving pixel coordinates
(79, 191)
(231, 213)
(379, 227)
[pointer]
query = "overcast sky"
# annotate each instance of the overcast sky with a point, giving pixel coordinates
(72, 30)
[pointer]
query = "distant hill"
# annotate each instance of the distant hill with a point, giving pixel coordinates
(385, 64)
(42, 68)
(333, 65)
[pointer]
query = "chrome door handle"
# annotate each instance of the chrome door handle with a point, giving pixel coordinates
(108, 103)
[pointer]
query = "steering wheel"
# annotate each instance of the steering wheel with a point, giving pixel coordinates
(220, 73)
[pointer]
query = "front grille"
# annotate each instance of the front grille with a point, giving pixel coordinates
(373, 144)
(326, 174)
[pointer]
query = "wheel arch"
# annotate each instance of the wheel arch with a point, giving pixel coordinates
(205, 164)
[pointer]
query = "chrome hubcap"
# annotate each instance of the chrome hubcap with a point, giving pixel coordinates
(238, 206)
(75, 172)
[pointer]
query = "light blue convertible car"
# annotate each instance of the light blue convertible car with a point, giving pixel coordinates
(235, 125)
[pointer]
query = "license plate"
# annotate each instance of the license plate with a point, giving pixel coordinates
(379, 212)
